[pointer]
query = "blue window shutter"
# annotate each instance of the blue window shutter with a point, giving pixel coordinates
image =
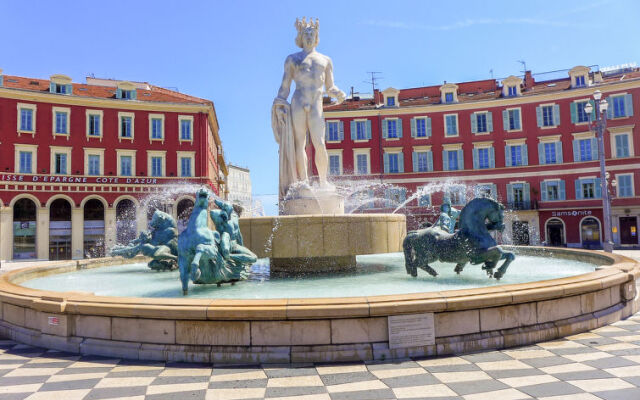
(460, 160)
(492, 158)
(368, 129)
(341, 126)
(445, 161)
(594, 148)
(541, 153)
(578, 185)
(505, 120)
(414, 158)
(593, 106)
(399, 127)
(428, 123)
(385, 158)
(525, 155)
(628, 105)
(574, 112)
(52, 87)
(559, 153)
(489, 121)
(516, 118)
(69, 89)
(429, 161)
(475, 159)
(352, 128)
(326, 131)
(384, 128)
(507, 156)
(556, 115)
(539, 116)
(543, 191)
(562, 195)
(118, 93)
(576, 150)
(509, 193)
(134, 94)
(413, 128)
(401, 162)
(610, 108)
(474, 123)
(526, 191)
(598, 188)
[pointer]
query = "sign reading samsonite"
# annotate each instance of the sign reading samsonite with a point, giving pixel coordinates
(81, 179)
(411, 330)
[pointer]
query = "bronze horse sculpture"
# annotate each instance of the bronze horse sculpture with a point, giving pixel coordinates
(470, 243)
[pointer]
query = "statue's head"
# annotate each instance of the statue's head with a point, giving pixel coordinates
(161, 220)
(307, 33)
(202, 198)
(445, 207)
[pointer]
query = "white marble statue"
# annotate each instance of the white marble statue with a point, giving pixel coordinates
(312, 72)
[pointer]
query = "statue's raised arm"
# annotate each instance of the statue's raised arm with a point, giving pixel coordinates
(331, 88)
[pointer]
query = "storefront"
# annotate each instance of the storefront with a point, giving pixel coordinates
(572, 228)
(625, 223)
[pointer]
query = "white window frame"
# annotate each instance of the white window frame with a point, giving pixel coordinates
(486, 121)
(33, 108)
(621, 130)
(555, 123)
(445, 125)
(33, 149)
(335, 152)
(556, 180)
(506, 128)
(133, 124)
(157, 153)
(94, 152)
(186, 154)
(633, 189)
(59, 150)
(54, 122)
(356, 153)
(162, 130)
(398, 124)
(126, 152)
(357, 121)
(576, 101)
(337, 122)
(192, 134)
(88, 114)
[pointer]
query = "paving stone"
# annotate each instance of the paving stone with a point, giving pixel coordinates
(176, 380)
(114, 393)
(610, 362)
(191, 395)
(378, 394)
(514, 373)
(248, 383)
(69, 385)
(550, 389)
(487, 357)
(481, 386)
(284, 372)
(622, 394)
(410, 380)
(294, 391)
(337, 379)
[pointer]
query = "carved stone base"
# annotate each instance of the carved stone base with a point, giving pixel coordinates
(307, 202)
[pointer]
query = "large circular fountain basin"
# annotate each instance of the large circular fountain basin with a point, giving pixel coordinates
(315, 329)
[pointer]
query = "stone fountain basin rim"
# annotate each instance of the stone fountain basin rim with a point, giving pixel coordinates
(619, 270)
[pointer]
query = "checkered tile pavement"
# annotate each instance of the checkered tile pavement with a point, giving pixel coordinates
(601, 364)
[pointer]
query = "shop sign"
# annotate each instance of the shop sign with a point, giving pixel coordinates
(634, 231)
(77, 179)
(570, 213)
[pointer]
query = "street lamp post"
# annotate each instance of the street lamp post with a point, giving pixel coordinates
(600, 125)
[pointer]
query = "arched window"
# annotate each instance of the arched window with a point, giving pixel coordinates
(93, 228)
(24, 229)
(60, 230)
(126, 223)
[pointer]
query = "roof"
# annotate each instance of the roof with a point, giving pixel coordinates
(470, 91)
(105, 90)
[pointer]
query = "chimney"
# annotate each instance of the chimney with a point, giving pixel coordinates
(528, 80)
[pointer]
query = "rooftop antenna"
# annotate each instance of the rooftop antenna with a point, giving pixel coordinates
(373, 80)
(491, 72)
(524, 66)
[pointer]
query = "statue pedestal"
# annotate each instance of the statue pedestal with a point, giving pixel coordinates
(307, 200)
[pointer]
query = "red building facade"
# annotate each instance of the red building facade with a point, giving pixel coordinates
(80, 162)
(526, 143)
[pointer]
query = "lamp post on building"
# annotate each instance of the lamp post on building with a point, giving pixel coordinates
(600, 124)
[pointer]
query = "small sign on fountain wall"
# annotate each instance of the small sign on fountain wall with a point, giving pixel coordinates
(412, 330)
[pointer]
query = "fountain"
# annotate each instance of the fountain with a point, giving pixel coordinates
(313, 300)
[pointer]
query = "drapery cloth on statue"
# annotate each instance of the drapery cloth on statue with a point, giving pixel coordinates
(283, 133)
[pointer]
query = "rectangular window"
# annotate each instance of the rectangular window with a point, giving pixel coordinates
(580, 81)
(334, 164)
(156, 128)
(156, 166)
(618, 107)
(588, 189)
(448, 97)
(622, 146)
(185, 166)
(362, 164)
(422, 163)
(585, 149)
(552, 189)
(60, 163)
(334, 131)
(391, 101)
(94, 125)
(62, 89)
(61, 123)
(393, 163)
(483, 158)
(421, 127)
(125, 166)
(457, 195)
(582, 116)
(625, 186)
(25, 162)
(127, 94)
(481, 123)
(514, 119)
(125, 129)
(392, 128)
(516, 155)
(452, 160)
(547, 116)
(361, 130)
(424, 200)
(94, 164)
(518, 197)
(513, 91)
(26, 119)
(549, 153)
(451, 122)
(185, 129)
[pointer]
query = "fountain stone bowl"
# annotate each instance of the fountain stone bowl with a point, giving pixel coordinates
(337, 329)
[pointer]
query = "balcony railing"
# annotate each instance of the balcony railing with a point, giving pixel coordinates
(522, 205)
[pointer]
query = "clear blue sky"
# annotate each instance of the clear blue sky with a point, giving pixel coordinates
(232, 52)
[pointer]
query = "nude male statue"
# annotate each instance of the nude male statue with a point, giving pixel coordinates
(311, 71)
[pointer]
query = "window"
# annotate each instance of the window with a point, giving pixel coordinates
(126, 164)
(126, 126)
(580, 81)
(60, 163)
(622, 145)
(585, 149)
(452, 160)
(61, 89)
(487, 190)
(625, 185)
(424, 200)
(156, 166)
(547, 116)
(333, 131)
(588, 191)
(552, 190)
(393, 163)
(128, 94)
(392, 128)
(422, 161)
(157, 127)
(549, 153)
(61, 120)
(334, 164)
(185, 166)
(511, 119)
(451, 125)
(456, 194)
(421, 127)
(391, 101)
(518, 196)
(516, 155)
(483, 158)
(26, 118)
(581, 115)
(588, 188)
(481, 123)
(25, 162)
(362, 164)
(395, 197)
(361, 130)
(512, 91)
(550, 150)
(620, 106)
(448, 97)
(94, 125)
(94, 164)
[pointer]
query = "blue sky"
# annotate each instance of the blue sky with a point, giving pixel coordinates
(232, 52)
